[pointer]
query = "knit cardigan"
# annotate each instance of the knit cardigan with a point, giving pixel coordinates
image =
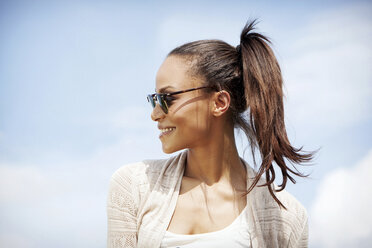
(142, 198)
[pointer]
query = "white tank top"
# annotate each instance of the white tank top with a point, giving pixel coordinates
(233, 236)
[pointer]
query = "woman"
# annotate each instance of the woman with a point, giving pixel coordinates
(207, 196)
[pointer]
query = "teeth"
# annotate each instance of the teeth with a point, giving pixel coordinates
(167, 129)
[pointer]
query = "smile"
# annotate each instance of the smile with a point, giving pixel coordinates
(166, 131)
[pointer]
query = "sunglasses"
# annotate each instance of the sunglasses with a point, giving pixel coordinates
(165, 99)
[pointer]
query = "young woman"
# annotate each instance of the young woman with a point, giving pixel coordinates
(207, 196)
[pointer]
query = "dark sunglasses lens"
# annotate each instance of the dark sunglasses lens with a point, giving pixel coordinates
(162, 103)
(150, 99)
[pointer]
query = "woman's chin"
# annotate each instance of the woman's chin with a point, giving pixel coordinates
(170, 149)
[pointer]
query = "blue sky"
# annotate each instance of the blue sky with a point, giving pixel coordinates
(73, 81)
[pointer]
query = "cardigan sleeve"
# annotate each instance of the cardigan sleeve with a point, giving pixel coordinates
(304, 236)
(299, 237)
(122, 208)
(294, 221)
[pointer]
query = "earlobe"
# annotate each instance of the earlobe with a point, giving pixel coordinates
(221, 103)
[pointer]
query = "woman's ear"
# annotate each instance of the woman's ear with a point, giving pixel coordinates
(221, 102)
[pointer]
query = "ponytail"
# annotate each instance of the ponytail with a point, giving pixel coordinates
(252, 76)
(262, 82)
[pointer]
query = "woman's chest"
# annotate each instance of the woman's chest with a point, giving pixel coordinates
(201, 211)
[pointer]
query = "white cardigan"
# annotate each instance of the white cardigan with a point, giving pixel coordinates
(142, 198)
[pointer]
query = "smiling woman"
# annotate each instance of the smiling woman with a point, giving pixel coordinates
(207, 195)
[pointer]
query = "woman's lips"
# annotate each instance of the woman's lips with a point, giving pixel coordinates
(166, 131)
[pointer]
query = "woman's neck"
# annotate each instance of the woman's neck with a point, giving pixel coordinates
(217, 162)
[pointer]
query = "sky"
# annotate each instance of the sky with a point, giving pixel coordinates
(74, 76)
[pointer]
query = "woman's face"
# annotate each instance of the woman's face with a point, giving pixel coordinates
(189, 115)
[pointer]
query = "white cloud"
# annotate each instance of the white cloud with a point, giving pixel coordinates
(341, 214)
(23, 183)
(15, 241)
(41, 205)
(329, 75)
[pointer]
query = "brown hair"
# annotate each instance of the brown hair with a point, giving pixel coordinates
(251, 75)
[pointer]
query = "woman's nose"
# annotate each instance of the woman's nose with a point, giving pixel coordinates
(157, 113)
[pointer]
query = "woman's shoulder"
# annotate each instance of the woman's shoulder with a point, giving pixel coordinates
(295, 220)
(293, 205)
(291, 202)
(148, 168)
(138, 169)
(295, 211)
(291, 222)
(132, 180)
(287, 226)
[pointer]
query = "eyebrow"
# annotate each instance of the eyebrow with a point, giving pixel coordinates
(164, 89)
